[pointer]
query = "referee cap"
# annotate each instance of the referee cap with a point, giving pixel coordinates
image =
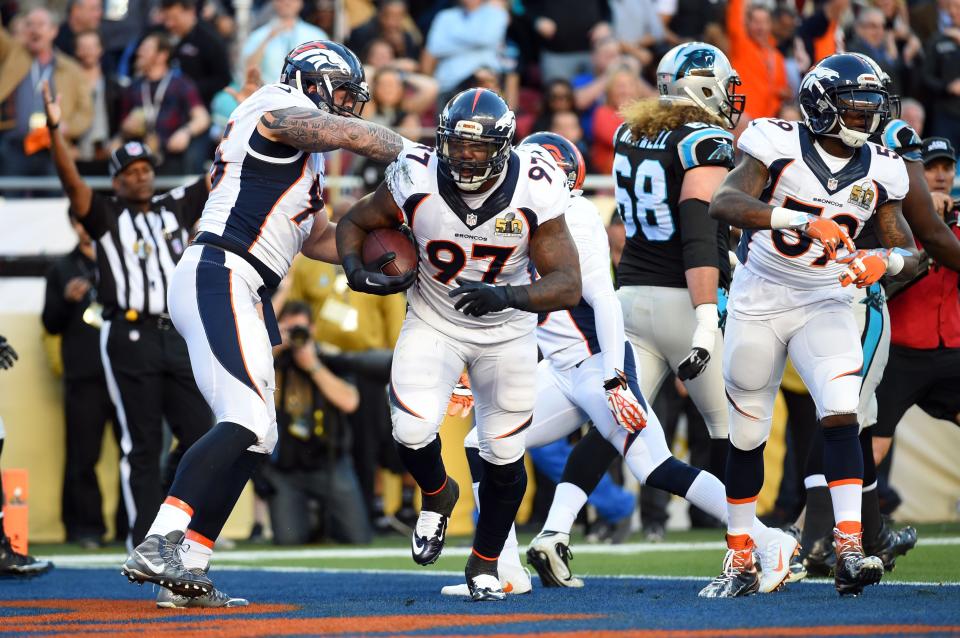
(129, 153)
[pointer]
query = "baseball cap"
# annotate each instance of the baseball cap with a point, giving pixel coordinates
(128, 154)
(936, 148)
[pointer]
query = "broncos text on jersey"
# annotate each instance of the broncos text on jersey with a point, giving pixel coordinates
(263, 193)
(805, 179)
(483, 237)
(649, 174)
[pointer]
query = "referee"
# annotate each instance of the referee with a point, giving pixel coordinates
(139, 238)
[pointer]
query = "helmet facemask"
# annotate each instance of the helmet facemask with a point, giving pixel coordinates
(323, 91)
(456, 151)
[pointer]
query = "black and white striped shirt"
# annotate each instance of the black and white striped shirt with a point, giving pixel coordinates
(138, 251)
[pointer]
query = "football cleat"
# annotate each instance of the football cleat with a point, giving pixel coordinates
(891, 544)
(821, 560)
(550, 555)
(514, 580)
(738, 578)
(213, 599)
(854, 571)
(485, 587)
(430, 532)
(13, 564)
(797, 570)
(776, 550)
(156, 560)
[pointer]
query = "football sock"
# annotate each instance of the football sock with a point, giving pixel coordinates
(869, 501)
(173, 514)
(843, 468)
(672, 475)
(511, 548)
(818, 520)
(426, 466)
(588, 462)
(568, 500)
(209, 521)
(196, 550)
(719, 449)
(744, 480)
(501, 490)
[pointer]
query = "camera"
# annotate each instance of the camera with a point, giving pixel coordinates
(299, 336)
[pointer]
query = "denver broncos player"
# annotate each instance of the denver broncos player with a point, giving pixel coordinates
(796, 184)
(263, 208)
(482, 215)
(589, 372)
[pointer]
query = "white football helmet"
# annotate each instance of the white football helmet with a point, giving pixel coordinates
(700, 73)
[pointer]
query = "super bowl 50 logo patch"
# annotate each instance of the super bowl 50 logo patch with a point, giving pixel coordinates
(862, 195)
(508, 226)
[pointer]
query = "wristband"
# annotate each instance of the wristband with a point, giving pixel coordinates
(52, 127)
(781, 217)
(708, 322)
(895, 262)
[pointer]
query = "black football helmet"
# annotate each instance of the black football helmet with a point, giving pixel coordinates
(566, 154)
(843, 96)
(328, 66)
(474, 136)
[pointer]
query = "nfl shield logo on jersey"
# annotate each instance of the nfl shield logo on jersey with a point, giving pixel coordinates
(832, 183)
(471, 219)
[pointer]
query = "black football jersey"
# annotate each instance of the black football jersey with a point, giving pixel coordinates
(649, 174)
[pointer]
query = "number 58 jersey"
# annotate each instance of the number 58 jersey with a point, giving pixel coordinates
(805, 179)
(477, 237)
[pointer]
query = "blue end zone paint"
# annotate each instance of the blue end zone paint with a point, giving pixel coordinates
(618, 603)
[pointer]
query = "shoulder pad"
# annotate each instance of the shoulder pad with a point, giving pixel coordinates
(767, 139)
(700, 144)
(899, 136)
(409, 173)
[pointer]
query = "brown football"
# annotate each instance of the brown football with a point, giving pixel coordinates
(385, 240)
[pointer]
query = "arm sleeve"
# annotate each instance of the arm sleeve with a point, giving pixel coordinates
(698, 234)
(56, 311)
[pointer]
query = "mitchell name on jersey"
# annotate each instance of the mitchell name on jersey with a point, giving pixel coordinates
(263, 194)
(487, 239)
(849, 192)
(649, 175)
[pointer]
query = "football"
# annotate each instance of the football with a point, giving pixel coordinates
(385, 240)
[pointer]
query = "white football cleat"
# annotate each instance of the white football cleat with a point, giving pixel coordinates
(550, 555)
(775, 548)
(485, 587)
(514, 580)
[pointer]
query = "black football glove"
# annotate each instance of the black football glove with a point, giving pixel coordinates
(695, 363)
(7, 354)
(479, 298)
(369, 278)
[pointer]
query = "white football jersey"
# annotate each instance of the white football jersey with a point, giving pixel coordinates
(567, 337)
(802, 179)
(263, 194)
(487, 239)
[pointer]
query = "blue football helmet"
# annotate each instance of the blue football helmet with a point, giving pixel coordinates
(320, 67)
(564, 152)
(474, 136)
(843, 96)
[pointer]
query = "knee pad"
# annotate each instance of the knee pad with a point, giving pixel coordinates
(412, 432)
(503, 451)
(841, 396)
(747, 434)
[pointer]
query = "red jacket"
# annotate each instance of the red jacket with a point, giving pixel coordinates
(927, 315)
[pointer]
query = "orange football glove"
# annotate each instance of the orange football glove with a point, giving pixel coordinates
(829, 233)
(626, 409)
(865, 268)
(461, 401)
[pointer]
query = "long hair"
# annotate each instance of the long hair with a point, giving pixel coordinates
(649, 116)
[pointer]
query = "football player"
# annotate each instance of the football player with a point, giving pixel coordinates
(264, 207)
(482, 214)
(671, 154)
(589, 372)
(800, 192)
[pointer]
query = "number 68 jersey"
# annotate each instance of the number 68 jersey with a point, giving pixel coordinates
(476, 237)
(805, 179)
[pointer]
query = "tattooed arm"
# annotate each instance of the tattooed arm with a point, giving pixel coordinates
(927, 223)
(558, 262)
(737, 202)
(893, 232)
(316, 131)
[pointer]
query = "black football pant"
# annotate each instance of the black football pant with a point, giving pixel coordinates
(150, 379)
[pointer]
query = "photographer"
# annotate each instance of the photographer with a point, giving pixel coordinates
(924, 364)
(312, 460)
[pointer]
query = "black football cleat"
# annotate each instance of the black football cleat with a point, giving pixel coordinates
(854, 571)
(214, 599)
(821, 560)
(430, 532)
(738, 578)
(156, 560)
(16, 565)
(890, 544)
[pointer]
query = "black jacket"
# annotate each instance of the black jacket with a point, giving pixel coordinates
(80, 344)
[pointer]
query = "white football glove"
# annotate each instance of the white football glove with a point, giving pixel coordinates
(626, 409)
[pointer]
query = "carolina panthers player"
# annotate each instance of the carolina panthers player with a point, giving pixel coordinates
(481, 214)
(264, 207)
(796, 184)
(671, 154)
(589, 372)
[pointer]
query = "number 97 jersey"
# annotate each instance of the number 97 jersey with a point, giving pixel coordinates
(476, 237)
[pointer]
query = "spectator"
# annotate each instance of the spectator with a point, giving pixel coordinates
(93, 148)
(82, 16)
(312, 460)
(925, 324)
(397, 99)
(941, 74)
(873, 41)
(623, 87)
(928, 17)
(821, 31)
(897, 23)
(463, 39)
(913, 113)
(391, 24)
(568, 30)
(558, 98)
(267, 47)
(120, 30)
(688, 20)
(379, 54)
(567, 124)
(589, 87)
(163, 108)
(198, 51)
(784, 22)
(752, 53)
(24, 141)
(639, 29)
(70, 296)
